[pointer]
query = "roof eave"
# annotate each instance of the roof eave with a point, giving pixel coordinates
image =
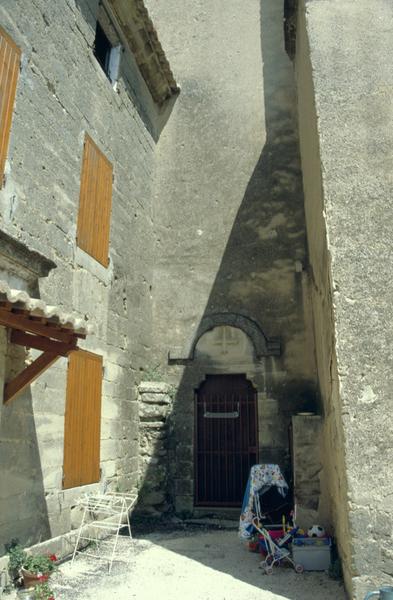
(142, 39)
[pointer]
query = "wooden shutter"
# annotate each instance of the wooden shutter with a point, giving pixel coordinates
(95, 203)
(82, 419)
(9, 70)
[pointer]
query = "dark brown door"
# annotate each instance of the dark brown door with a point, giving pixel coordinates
(225, 440)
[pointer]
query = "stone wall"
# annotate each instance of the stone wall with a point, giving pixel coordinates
(345, 107)
(62, 93)
(307, 471)
(229, 212)
(155, 403)
(333, 479)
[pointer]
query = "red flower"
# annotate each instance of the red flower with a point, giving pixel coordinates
(51, 598)
(43, 577)
(53, 558)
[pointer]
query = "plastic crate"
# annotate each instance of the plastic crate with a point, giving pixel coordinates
(313, 553)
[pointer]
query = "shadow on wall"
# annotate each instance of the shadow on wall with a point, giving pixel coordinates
(23, 508)
(259, 278)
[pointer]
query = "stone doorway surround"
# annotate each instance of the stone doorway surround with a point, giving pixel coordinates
(224, 344)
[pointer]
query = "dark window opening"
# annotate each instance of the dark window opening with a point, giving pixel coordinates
(102, 49)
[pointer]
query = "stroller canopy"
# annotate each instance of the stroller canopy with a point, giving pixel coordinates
(261, 479)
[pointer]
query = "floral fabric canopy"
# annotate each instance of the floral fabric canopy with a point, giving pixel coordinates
(261, 479)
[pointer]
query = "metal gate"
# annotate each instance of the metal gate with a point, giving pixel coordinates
(226, 439)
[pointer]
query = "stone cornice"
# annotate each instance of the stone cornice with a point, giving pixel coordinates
(141, 37)
(18, 259)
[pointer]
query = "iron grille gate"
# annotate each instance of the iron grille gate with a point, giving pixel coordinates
(225, 439)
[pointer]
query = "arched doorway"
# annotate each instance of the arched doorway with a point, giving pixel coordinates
(226, 439)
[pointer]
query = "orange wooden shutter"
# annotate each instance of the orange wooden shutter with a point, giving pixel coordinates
(95, 203)
(82, 419)
(9, 70)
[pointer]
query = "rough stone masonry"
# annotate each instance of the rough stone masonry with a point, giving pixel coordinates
(62, 93)
(231, 239)
(345, 100)
(219, 216)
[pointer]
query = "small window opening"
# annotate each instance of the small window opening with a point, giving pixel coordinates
(102, 49)
(107, 48)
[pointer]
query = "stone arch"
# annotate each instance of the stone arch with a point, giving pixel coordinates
(262, 345)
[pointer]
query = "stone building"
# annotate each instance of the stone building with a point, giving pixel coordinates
(92, 91)
(243, 312)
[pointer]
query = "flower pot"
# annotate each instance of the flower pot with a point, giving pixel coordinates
(32, 579)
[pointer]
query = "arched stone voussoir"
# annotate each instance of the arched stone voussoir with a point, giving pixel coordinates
(262, 345)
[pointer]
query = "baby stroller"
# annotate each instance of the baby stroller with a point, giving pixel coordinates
(262, 478)
(276, 552)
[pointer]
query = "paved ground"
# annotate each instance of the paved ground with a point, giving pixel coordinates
(187, 565)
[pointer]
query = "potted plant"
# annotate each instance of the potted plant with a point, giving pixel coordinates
(34, 569)
(37, 568)
(16, 556)
(42, 591)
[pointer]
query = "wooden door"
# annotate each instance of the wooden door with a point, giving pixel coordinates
(226, 439)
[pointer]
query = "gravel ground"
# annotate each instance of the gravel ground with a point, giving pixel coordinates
(187, 565)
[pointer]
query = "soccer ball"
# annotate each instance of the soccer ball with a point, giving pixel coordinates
(316, 531)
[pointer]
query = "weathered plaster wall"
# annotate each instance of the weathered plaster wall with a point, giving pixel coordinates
(229, 202)
(346, 109)
(62, 92)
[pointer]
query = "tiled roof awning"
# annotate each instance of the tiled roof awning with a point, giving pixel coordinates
(34, 324)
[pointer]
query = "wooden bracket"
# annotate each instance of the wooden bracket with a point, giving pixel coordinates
(39, 333)
(28, 375)
(42, 343)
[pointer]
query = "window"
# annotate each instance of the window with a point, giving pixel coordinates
(82, 419)
(95, 202)
(9, 69)
(107, 48)
(102, 48)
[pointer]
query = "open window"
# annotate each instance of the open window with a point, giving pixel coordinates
(124, 28)
(107, 47)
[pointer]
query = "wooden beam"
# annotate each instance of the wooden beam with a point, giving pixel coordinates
(42, 343)
(9, 319)
(6, 305)
(38, 319)
(20, 311)
(81, 336)
(28, 375)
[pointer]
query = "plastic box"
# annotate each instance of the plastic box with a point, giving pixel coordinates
(313, 554)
